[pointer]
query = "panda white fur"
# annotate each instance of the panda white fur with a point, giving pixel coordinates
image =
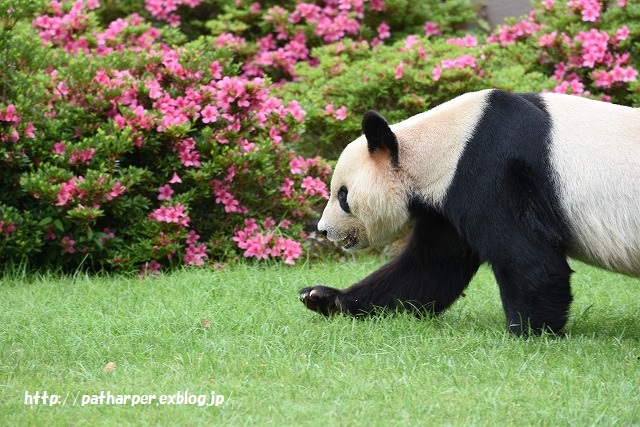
(519, 181)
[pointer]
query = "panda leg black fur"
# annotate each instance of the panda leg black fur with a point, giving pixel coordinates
(429, 275)
(535, 290)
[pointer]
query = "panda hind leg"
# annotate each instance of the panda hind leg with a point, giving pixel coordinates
(536, 295)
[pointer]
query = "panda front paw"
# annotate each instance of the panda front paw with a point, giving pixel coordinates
(322, 299)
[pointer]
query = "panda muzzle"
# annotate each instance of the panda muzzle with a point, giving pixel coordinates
(350, 240)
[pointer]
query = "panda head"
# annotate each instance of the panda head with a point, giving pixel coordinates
(368, 201)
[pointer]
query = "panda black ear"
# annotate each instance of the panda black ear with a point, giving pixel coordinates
(379, 135)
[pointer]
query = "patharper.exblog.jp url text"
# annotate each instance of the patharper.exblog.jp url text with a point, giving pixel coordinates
(184, 397)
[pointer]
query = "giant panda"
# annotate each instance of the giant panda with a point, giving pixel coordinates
(517, 181)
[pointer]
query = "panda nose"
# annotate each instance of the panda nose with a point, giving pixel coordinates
(322, 227)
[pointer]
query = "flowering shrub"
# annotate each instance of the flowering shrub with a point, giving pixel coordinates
(285, 36)
(581, 47)
(128, 144)
(585, 46)
(137, 154)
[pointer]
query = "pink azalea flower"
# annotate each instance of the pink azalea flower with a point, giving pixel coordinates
(61, 90)
(216, 70)
(627, 74)
(268, 223)
(436, 73)
(68, 245)
(195, 254)
(314, 186)
(151, 267)
(296, 111)
(510, 34)
(383, 31)
(431, 29)
(292, 251)
(466, 41)
(165, 192)
(10, 115)
(231, 172)
(109, 234)
(117, 190)
(209, 114)
(399, 71)
(7, 229)
(329, 109)
(459, 62)
(66, 193)
(297, 165)
(102, 78)
(187, 153)
(410, 41)
(287, 188)
(547, 40)
(594, 46)
(560, 70)
(82, 156)
(192, 237)
(175, 179)
(341, 113)
(171, 214)
(622, 34)
(59, 148)
(602, 79)
(231, 205)
(30, 130)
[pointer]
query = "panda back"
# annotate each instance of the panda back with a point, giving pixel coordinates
(595, 153)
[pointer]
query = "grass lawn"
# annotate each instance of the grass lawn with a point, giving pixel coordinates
(242, 334)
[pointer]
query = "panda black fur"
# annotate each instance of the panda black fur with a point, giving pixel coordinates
(518, 181)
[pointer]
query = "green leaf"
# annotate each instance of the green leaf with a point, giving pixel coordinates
(45, 221)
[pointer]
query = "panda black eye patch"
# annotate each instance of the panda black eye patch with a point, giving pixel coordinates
(342, 199)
